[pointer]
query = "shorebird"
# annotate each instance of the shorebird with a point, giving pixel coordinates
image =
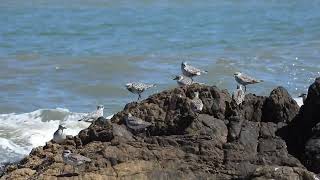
(304, 97)
(191, 71)
(135, 123)
(138, 88)
(183, 80)
(244, 79)
(196, 103)
(59, 135)
(238, 95)
(90, 117)
(74, 159)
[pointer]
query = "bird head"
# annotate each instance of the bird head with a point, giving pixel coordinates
(184, 64)
(177, 77)
(237, 74)
(100, 107)
(61, 127)
(302, 95)
(128, 85)
(66, 152)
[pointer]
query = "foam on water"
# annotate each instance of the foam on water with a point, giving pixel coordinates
(299, 101)
(19, 133)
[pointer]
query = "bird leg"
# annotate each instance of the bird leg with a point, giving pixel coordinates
(245, 88)
(139, 97)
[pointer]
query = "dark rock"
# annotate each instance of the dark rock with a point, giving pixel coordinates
(98, 131)
(224, 141)
(301, 135)
(312, 150)
(250, 109)
(280, 107)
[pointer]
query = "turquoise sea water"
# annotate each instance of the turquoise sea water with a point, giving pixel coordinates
(77, 54)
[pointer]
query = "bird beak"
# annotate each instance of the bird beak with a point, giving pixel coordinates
(176, 78)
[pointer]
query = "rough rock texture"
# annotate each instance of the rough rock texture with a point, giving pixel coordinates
(280, 107)
(303, 133)
(224, 141)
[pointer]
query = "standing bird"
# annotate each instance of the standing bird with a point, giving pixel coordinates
(244, 79)
(93, 116)
(74, 159)
(304, 97)
(138, 88)
(191, 71)
(238, 95)
(183, 80)
(196, 103)
(59, 135)
(135, 123)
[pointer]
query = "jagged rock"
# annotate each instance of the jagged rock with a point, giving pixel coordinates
(312, 150)
(170, 111)
(250, 109)
(280, 107)
(99, 130)
(302, 134)
(223, 141)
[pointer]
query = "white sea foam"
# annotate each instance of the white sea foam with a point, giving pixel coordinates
(299, 101)
(19, 133)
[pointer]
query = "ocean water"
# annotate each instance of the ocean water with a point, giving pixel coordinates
(59, 59)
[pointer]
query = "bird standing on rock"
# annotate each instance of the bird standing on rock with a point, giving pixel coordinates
(59, 135)
(74, 159)
(138, 88)
(244, 79)
(190, 71)
(183, 80)
(196, 103)
(135, 123)
(238, 95)
(93, 116)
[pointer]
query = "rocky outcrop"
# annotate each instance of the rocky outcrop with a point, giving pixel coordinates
(280, 107)
(303, 133)
(224, 141)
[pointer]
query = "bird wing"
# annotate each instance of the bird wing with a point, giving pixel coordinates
(192, 70)
(249, 79)
(187, 80)
(142, 86)
(87, 117)
(78, 157)
(137, 122)
(197, 104)
(238, 96)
